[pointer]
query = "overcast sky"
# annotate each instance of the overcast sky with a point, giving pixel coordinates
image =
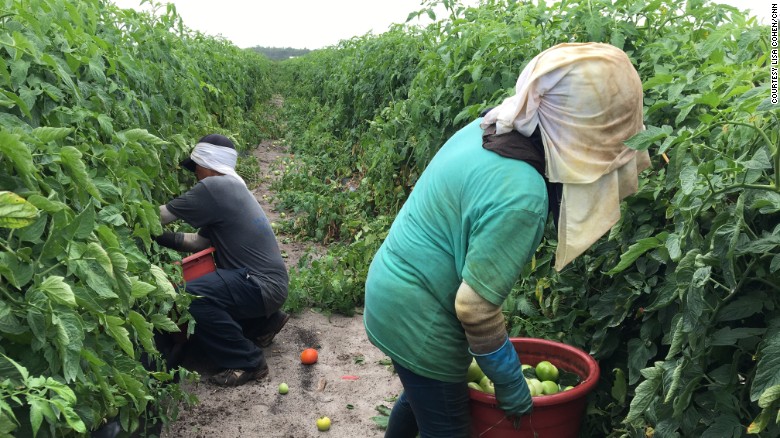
(313, 24)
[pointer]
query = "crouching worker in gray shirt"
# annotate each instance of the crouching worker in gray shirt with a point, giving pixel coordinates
(237, 309)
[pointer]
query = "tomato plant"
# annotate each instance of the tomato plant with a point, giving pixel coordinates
(97, 105)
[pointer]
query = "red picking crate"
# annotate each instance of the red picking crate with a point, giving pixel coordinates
(198, 264)
(194, 266)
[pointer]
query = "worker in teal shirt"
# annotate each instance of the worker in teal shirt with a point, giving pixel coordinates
(476, 216)
(466, 200)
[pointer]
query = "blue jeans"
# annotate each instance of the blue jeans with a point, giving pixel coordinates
(431, 407)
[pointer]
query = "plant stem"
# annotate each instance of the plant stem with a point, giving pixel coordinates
(6, 248)
(748, 186)
(734, 291)
(775, 150)
(10, 297)
(51, 268)
(768, 283)
(717, 283)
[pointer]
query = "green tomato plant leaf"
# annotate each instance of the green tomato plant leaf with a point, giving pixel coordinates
(58, 290)
(15, 211)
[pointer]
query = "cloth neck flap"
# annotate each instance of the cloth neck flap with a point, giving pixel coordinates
(586, 100)
(514, 145)
(218, 158)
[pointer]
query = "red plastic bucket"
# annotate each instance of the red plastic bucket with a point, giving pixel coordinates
(194, 266)
(198, 264)
(554, 416)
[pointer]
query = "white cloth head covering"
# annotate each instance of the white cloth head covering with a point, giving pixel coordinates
(586, 99)
(218, 158)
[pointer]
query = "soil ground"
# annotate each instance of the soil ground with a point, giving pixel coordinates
(349, 381)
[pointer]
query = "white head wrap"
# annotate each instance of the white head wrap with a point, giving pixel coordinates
(586, 99)
(218, 158)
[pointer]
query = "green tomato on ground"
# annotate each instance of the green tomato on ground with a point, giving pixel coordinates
(323, 424)
(283, 388)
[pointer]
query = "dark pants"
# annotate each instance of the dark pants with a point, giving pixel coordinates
(431, 407)
(226, 299)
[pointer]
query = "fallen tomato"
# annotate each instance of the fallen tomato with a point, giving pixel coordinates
(308, 356)
(323, 424)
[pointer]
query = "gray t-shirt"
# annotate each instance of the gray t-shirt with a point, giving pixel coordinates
(229, 215)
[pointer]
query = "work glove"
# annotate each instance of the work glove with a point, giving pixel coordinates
(503, 368)
(170, 239)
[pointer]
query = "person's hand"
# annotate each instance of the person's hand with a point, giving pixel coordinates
(169, 239)
(504, 369)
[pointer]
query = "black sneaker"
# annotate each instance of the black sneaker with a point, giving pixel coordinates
(280, 319)
(233, 377)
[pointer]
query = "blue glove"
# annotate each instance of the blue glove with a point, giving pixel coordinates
(503, 368)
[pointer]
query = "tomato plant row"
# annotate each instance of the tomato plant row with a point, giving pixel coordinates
(97, 106)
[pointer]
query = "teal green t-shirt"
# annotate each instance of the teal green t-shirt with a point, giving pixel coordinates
(473, 215)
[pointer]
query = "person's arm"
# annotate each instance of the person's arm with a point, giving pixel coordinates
(482, 320)
(187, 242)
(166, 216)
(483, 323)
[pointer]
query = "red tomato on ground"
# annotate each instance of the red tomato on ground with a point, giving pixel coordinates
(308, 356)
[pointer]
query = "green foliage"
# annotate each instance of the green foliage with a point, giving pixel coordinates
(336, 281)
(279, 53)
(326, 107)
(248, 168)
(680, 300)
(97, 107)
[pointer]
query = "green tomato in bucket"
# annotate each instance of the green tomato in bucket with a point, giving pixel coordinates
(487, 385)
(475, 386)
(549, 387)
(531, 388)
(474, 373)
(546, 371)
(538, 388)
